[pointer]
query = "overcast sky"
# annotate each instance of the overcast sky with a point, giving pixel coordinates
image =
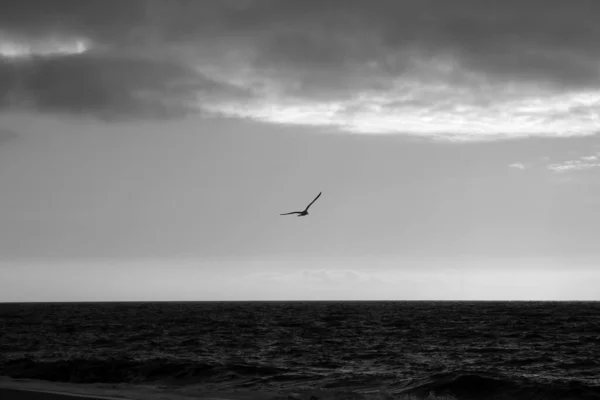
(147, 149)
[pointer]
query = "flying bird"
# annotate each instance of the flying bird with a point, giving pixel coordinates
(305, 212)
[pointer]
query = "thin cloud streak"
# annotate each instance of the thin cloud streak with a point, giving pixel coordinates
(53, 47)
(517, 166)
(583, 163)
(460, 71)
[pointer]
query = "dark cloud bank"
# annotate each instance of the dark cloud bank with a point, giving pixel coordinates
(152, 57)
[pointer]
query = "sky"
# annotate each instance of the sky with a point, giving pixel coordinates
(147, 149)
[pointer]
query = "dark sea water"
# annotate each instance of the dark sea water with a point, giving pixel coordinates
(471, 350)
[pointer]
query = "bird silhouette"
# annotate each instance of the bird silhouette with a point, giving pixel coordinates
(305, 212)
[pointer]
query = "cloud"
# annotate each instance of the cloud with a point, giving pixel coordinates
(108, 86)
(517, 166)
(463, 70)
(574, 165)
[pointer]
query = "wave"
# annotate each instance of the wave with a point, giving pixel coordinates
(462, 385)
(130, 371)
(488, 386)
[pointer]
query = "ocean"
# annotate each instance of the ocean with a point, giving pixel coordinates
(467, 350)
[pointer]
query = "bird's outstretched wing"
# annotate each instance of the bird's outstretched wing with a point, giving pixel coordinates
(311, 203)
(293, 212)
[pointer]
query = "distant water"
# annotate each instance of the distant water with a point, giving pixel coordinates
(472, 350)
